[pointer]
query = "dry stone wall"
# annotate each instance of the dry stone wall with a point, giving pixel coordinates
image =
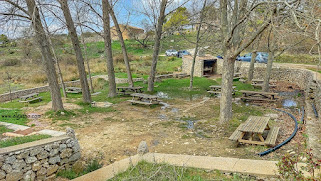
(38, 160)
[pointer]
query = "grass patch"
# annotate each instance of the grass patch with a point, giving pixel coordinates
(77, 172)
(60, 115)
(297, 58)
(13, 116)
(21, 140)
(3, 129)
(153, 172)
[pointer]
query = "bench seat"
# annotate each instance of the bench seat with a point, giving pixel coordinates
(236, 134)
(214, 92)
(30, 100)
(257, 99)
(272, 135)
(139, 102)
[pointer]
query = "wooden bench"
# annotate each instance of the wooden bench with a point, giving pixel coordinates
(30, 98)
(258, 96)
(129, 90)
(216, 90)
(272, 135)
(140, 102)
(73, 90)
(237, 133)
(259, 83)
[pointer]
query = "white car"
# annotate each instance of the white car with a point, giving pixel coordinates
(171, 52)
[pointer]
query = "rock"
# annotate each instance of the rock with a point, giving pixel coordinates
(70, 143)
(142, 148)
(10, 159)
(76, 147)
(29, 176)
(7, 168)
(2, 174)
(71, 133)
(42, 155)
(54, 160)
(31, 159)
(36, 151)
(23, 155)
(18, 165)
(51, 178)
(42, 172)
(53, 152)
(52, 169)
(62, 147)
(66, 153)
(14, 176)
(75, 157)
(46, 165)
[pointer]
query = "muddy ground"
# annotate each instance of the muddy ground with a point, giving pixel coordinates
(179, 127)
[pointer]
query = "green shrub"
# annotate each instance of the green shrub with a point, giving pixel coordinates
(74, 173)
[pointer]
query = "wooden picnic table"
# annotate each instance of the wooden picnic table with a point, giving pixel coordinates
(258, 96)
(30, 97)
(73, 90)
(259, 83)
(145, 99)
(129, 90)
(217, 89)
(251, 131)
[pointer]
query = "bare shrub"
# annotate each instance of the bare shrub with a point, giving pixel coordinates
(39, 78)
(11, 62)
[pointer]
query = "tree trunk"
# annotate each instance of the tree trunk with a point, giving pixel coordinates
(251, 70)
(108, 50)
(47, 57)
(227, 89)
(266, 83)
(87, 60)
(159, 28)
(123, 46)
(196, 47)
(75, 42)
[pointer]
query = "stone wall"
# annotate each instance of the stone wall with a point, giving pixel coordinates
(19, 93)
(38, 160)
(199, 64)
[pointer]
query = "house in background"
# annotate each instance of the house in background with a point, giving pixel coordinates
(129, 32)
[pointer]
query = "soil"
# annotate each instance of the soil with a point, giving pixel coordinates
(116, 135)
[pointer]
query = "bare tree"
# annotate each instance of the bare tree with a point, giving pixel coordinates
(251, 69)
(108, 50)
(47, 56)
(122, 44)
(75, 42)
(158, 34)
(197, 44)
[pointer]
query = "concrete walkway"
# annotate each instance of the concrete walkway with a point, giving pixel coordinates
(246, 166)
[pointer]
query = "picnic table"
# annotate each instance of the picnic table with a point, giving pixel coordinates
(251, 132)
(145, 99)
(259, 83)
(129, 90)
(217, 89)
(73, 90)
(258, 96)
(30, 97)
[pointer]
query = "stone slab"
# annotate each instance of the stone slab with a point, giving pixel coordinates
(14, 127)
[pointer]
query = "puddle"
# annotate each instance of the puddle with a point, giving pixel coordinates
(289, 103)
(175, 110)
(163, 95)
(190, 124)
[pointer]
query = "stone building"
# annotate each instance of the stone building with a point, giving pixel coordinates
(204, 65)
(129, 32)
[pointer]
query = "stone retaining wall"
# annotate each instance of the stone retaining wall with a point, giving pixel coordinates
(19, 93)
(38, 160)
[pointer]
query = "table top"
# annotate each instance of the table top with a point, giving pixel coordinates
(75, 88)
(29, 95)
(129, 88)
(261, 80)
(256, 92)
(255, 124)
(145, 96)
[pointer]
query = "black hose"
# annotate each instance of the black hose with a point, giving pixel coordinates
(288, 139)
(315, 111)
(302, 117)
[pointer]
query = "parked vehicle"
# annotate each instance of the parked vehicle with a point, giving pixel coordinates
(171, 52)
(181, 53)
(261, 57)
